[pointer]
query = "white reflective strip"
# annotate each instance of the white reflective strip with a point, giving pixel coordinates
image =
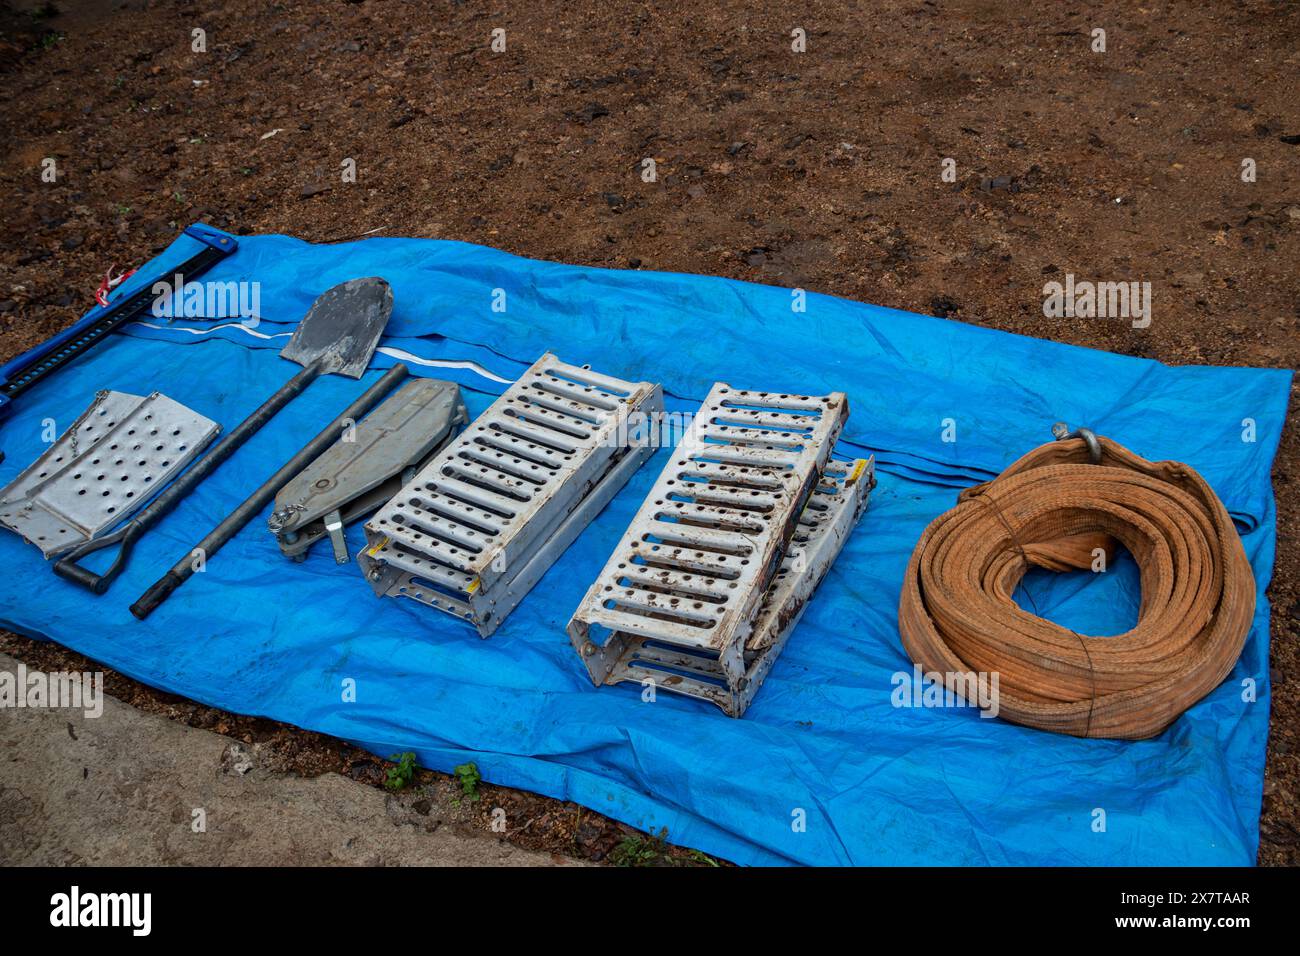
(403, 356)
(228, 325)
(400, 354)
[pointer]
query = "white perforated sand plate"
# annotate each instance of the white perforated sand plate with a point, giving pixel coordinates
(692, 570)
(477, 527)
(114, 458)
(826, 521)
(824, 526)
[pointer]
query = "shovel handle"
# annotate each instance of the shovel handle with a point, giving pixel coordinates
(68, 569)
(254, 503)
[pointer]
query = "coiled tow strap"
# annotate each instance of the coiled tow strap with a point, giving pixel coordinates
(1052, 509)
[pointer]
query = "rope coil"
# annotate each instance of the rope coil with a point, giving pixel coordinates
(1051, 509)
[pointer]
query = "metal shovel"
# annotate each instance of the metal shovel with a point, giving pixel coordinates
(337, 336)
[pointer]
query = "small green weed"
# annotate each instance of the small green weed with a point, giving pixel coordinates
(469, 777)
(638, 850)
(400, 776)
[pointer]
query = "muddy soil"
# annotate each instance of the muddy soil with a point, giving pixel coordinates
(821, 169)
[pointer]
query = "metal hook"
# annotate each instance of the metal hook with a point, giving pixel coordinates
(1061, 431)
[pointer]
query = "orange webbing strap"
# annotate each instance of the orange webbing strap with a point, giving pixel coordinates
(1052, 509)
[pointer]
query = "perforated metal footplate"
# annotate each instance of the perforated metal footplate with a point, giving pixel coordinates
(690, 575)
(114, 458)
(479, 525)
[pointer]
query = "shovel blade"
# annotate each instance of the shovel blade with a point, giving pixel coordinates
(341, 330)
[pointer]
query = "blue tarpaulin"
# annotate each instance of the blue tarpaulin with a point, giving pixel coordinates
(824, 768)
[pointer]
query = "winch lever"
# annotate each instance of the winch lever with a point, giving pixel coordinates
(259, 499)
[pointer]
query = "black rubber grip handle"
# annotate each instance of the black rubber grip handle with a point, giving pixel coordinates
(78, 575)
(67, 568)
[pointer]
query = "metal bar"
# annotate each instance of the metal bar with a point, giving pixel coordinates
(26, 370)
(259, 499)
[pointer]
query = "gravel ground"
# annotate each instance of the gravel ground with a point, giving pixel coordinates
(820, 169)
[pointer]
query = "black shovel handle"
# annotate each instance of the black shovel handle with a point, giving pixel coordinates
(68, 569)
(161, 589)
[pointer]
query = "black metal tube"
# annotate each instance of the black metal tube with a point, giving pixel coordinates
(254, 503)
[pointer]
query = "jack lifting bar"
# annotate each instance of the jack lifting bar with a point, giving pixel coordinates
(480, 524)
(23, 372)
(738, 530)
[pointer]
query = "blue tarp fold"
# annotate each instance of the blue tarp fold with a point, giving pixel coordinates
(824, 768)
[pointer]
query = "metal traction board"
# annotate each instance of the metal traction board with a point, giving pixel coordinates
(825, 525)
(115, 457)
(480, 524)
(692, 569)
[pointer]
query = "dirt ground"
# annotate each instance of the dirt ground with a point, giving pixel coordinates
(537, 824)
(121, 787)
(820, 169)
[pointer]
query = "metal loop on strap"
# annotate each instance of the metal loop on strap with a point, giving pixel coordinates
(1061, 431)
